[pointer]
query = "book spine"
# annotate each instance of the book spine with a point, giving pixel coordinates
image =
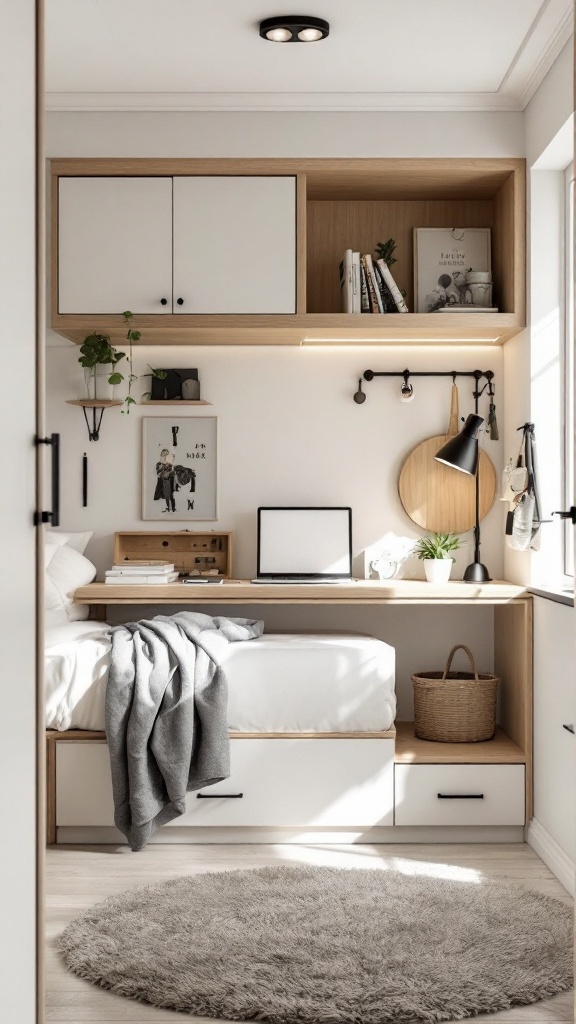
(346, 283)
(356, 288)
(364, 300)
(393, 287)
(375, 297)
(387, 300)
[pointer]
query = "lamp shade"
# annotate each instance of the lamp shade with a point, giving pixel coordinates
(461, 452)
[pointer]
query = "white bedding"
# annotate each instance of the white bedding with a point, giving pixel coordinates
(276, 683)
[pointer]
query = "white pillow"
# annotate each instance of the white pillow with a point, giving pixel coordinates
(66, 569)
(78, 541)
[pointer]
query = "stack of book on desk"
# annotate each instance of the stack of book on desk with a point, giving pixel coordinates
(138, 573)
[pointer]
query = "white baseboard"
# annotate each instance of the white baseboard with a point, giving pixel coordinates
(240, 836)
(560, 864)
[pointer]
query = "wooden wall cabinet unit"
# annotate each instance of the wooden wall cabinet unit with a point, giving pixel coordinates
(257, 246)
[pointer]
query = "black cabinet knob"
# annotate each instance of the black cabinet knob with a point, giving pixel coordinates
(163, 302)
(180, 302)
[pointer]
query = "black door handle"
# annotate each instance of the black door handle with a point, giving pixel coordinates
(569, 514)
(460, 796)
(163, 302)
(180, 302)
(219, 796)
(569, 728)
(52, 517)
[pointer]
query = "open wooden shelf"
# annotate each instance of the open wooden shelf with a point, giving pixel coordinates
(411, 750)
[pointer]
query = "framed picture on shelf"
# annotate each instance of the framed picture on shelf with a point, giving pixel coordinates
(176, 385)
(179, 467)
(442, 258)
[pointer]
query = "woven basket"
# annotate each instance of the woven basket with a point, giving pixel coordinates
(455, 707)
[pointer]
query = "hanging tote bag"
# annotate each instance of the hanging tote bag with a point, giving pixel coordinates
(455, 707)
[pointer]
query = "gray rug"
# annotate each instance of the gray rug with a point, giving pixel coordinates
(325, 946)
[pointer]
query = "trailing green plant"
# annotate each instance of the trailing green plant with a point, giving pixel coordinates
(131, 336)
(439, 545)
(96, 350)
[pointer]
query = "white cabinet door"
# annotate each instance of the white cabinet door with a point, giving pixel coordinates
(234, 244)
(115, 245)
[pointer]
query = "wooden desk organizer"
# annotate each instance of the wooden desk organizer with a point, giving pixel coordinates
(190, 551)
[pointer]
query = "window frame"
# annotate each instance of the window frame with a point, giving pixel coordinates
(568, 372)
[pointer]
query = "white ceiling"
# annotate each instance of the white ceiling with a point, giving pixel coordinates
(380, 54)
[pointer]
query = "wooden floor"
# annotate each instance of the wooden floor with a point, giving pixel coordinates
(78, 877)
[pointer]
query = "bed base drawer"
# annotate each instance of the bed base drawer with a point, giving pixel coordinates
(459, 794)
(273, 783)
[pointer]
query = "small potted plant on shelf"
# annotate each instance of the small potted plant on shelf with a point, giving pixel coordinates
(96, 352)
(435, 551)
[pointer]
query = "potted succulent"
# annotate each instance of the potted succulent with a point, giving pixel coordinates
(99, 359)
(435, 551)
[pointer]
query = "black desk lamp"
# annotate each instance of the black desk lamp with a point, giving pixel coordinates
(461, 453)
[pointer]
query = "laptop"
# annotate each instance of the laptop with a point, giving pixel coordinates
(304, 545)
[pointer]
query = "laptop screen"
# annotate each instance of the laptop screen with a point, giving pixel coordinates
(305, 542)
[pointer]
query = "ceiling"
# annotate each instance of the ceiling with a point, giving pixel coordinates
(380, 54)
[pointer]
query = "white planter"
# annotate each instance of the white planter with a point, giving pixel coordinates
(97, 385)
(438, 569)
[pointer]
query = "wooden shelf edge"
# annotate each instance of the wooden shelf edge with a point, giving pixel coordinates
(94, 403)
(307, 328)
(411, 750)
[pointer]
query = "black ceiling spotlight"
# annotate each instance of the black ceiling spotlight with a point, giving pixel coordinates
(294, 28)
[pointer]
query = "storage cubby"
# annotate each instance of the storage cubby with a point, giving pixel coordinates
(368, 205)
(190, 551)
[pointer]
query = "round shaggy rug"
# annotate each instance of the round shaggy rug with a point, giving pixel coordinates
(325, 946)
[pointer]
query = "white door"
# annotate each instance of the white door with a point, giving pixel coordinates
(18, 366)
(234, 244)
(115, 245)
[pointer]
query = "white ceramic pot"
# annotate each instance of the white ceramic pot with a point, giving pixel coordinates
(438, 569)
(102, 389)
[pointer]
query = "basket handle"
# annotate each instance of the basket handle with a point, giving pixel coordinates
(460, 647)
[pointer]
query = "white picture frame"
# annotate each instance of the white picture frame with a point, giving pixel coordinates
(180, 468)
(447, 253)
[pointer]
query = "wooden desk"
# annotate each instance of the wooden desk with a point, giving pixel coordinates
(512, 637)
(356, 592)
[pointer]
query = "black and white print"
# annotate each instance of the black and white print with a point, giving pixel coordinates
(442, 258)
(179, 468)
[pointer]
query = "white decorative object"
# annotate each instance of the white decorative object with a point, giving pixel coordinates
(179, 468)
(442, 259)
(438, 569)
(384, 566)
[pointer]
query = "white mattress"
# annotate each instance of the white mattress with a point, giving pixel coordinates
(293, 682)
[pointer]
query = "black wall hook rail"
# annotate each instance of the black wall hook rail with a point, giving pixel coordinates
(477, 375)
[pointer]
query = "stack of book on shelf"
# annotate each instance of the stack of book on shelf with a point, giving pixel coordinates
(139, 573)
(368, 285)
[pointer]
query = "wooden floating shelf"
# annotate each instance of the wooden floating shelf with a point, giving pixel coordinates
(306, 328)
(175, 401)
(94, 403)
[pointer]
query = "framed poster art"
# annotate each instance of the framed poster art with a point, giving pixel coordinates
(442, 257)
(179, 467)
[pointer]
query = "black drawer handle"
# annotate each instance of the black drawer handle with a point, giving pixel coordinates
(460, 796)
(219, 796)
(569, 728)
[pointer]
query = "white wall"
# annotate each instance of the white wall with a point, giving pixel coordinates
(17, 588)
(284, 134)
(551, 105)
